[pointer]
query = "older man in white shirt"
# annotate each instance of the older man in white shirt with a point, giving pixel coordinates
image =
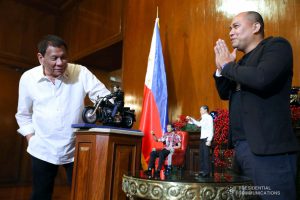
(206, 136)
(51, 98)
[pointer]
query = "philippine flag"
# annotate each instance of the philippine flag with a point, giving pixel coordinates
(155, 103)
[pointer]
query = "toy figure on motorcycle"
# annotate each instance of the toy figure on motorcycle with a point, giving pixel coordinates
(110, 114)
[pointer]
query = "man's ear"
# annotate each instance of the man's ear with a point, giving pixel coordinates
(256, 27)
(40, 58)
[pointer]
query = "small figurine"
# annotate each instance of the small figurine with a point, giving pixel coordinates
(118, 96)
(171, 141)
(110, 114)
(207, 132)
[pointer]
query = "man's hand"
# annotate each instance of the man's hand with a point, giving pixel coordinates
(222, 54)
(154, 136)
(189, 119)
(29, 136)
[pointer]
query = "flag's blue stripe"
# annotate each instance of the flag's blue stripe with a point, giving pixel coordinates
(159, 82)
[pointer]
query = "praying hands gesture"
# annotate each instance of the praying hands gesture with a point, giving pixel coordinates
(222, 54)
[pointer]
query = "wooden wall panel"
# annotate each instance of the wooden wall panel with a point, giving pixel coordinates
(91, 25)
(104, 77)
(21, 29)
(188, 32)
(10, 141)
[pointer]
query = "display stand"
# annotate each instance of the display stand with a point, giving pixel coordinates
(102, 156)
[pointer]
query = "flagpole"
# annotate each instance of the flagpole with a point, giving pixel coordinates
(154, 116)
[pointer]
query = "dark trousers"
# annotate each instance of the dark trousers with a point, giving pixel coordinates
(162, 154)
(204, 157)
(114, 110)
(44, 174)
(276, 172)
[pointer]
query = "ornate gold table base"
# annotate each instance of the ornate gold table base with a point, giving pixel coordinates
(170, 189)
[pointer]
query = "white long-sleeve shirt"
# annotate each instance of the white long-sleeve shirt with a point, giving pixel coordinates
(47, 110)
(207, 126)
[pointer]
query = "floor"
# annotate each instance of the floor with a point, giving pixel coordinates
(61, 192)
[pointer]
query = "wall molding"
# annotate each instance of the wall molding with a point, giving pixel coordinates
(15, 61)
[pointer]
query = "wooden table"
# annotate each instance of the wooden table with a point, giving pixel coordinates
(102, 156)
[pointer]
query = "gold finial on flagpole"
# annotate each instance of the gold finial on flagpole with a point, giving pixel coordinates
(157, 19)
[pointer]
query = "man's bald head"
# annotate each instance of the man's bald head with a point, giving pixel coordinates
(255, 17)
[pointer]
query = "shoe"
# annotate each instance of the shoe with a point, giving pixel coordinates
(204, 175)
(148, 172)
(168, 170)
(199, 173)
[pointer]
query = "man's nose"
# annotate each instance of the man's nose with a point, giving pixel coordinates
(58, 61)
(231, 32)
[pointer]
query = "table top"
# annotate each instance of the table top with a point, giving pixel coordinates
(191, 177)
(186, 185)
(89, 128)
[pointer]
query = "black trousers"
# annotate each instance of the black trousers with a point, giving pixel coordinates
(204, 157)
(162, 156)
(274, 175)
(44, 174)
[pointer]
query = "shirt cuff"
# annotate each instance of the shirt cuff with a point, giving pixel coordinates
(209, 139)
(26, 130)
(218, 73)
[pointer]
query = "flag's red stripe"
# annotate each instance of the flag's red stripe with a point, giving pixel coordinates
(149, 121)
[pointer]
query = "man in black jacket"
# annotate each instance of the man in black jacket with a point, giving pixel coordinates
(258, 88)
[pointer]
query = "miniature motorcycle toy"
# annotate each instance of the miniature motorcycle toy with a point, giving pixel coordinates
(110, 114)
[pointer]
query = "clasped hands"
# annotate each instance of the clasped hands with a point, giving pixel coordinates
(222, 54)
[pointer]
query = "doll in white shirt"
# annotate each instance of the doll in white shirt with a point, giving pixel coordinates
(207, 132)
